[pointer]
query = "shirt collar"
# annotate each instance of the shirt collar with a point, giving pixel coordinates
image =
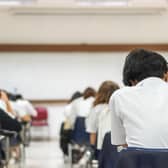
(150, 81)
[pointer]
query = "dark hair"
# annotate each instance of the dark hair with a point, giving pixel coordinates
(105, 91)
(89, 92)
(11, 96)
(76, 95)
(19, 97)
(140, 64)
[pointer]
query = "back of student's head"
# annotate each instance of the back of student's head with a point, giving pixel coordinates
(89, 92)
(105, 91)
(141, 64)
(19, 97)
(76, 95)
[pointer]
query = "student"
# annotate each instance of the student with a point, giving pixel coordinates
(98, 121)
(26, 106)
(8, 120)
(99, 116)
(66, 127)
(81, 107)
(67, 110)
(139, 112)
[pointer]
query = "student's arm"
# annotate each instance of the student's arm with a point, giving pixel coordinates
(8, 123)
(118, 136)
(31, 109)
(92, 126)
(93, 137)
(9, 109)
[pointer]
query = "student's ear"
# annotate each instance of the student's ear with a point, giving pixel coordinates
(165, 77)
(133, 82)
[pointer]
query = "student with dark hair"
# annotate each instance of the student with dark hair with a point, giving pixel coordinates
(89, 92)
(81, 107)
(66, 126)
(139, 116)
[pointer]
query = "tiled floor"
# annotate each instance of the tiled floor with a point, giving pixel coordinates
(44, 155)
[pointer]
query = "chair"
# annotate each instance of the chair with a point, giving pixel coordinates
(5, 153)
(108, 156)
(25, 133)
(143, 158)
(41, 120)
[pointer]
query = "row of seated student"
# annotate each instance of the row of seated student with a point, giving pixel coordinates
(15, 116)
(87, 119)
(131, 120)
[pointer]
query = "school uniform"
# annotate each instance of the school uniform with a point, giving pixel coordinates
(139, 114)
(104, 126)
(92, 119)
(7, 122)
(80, 108)
(23, 107)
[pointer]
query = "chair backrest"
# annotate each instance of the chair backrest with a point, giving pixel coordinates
(108, 156)
(42, 113)
(79, 134)
(143, 158)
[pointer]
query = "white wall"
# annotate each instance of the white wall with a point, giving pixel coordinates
(57, 75)
(84, 29)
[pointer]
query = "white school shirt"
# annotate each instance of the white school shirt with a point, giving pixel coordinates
(80, 108)
(92, 119)
(3, 105)
(139, 114)
(67, 110)
(23, 107)
(104, 126)
(4, 108)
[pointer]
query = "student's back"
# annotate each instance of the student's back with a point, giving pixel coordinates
(140, 112)
(149, 117)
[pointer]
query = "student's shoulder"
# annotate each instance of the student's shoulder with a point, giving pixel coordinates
(123, 91)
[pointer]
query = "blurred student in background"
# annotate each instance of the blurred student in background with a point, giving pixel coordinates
(81, 107)
(8, 118)
(68, 109)
(98, 122)
(66, 126)
(23, 108)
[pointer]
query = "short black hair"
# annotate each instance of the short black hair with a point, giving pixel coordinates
(141, 63)
(76, 95)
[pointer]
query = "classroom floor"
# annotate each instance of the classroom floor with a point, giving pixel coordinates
(44, 155)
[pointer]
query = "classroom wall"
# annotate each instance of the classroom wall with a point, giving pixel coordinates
(84, 29)
(57, 75)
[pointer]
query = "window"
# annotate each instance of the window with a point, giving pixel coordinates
(104, 2)
(16, 2)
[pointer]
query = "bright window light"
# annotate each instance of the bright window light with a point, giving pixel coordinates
(9, 2)
(103, 2)
(15, 2)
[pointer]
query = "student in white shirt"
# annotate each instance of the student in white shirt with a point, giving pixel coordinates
(67, 110)
(5, 104)
(81, 107)
(139, 116)
(98, 120)
(23, 108)
(66, 127)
